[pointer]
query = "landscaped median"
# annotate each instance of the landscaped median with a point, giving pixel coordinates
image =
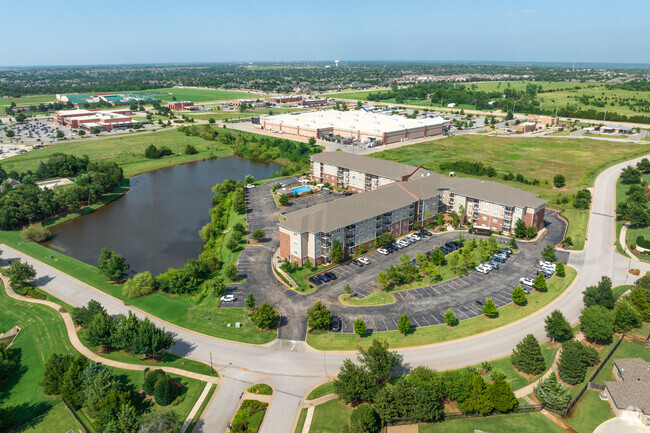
(375, 298)
(508, 314)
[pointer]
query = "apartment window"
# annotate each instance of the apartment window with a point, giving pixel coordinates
(361, 239)
(485, 209)
(338, 238)
(494, 220)
(318, 243)
(361, 231)
(338, 230)
(317, 252)
(496, 213)
(295, 242)
(295, 252)
(484, 218)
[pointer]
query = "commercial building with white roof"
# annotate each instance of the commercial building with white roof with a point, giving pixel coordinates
(87, 119)
(358, 124)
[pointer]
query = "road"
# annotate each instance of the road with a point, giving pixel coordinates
(293, 368)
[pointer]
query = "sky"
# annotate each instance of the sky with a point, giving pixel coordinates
(93, 32)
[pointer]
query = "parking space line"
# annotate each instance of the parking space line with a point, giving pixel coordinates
(416, 322)
(438, 321)
(462, 312)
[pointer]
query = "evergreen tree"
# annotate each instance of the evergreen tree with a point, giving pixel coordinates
(600, 295)
(540, 283)
(359, 326)
(150, 379)
(527, 356)
(379, 360)
(557, 327)
(337, 252)
(71, 387)
(450, 317)
(501, 395)
(249, 302)
(404, 324)
(559, 269)
(127, 419)
(571, 367)
(164, 391)
(479, 398)
(519, 295)
(53, 372)
(639, 299)
(626, 317)
(99, 330)
(489, 308)
(160, 421)
(597, 323)
(552, 392)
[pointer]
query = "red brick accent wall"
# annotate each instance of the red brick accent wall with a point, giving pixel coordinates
(285, 245)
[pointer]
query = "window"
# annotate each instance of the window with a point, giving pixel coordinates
(496, 213)
(295, 252)
(338, 238)
(494, 220)
(361, 239)
(484, 218)
(318, 243)
(338, 230)
(295, 242)
(361, 231)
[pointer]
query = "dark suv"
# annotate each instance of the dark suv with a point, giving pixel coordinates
(335, 326)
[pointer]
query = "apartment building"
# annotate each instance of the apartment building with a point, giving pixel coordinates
(358, 173)
(357, 220)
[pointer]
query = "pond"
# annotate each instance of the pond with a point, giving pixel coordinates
(156, 224)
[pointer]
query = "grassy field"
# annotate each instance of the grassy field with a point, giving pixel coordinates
(440, 333)
(206, 317)
(589, 413)
(198, 95)
(29, 100)
(57, 418)
(515, 423)
(42, 334)
(330, 417)
(321, 390)
(223, 114)
(375, 298)
(127, 151)
(577, 229)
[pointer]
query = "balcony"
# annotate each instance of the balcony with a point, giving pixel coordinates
(350, 235)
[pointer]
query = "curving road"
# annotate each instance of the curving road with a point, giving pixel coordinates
(293, 368)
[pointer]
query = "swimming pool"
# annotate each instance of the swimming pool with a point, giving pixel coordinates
(301, 189)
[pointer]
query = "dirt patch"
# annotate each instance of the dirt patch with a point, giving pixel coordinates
(450, 406)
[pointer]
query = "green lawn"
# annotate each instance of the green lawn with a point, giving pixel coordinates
(127, 151)
(321, 390)
(226, 114)
(42, 334)
(627, 349)
(440, 333)
(301, 421)
(57, 418)
(206, 317)
(260, 388)
(198, 95)
(619, 290)
(514, 423)
(29, 100)
(577, 229)
(376, 298)
(330, 417)
(205, 403)
(589, 413)
(643, 331)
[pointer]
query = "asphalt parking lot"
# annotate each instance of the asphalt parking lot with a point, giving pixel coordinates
(425, 306)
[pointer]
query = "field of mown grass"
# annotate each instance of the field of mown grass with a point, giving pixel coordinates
(228, 115)
(197, 95)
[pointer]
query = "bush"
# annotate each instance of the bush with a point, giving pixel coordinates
(265, 316)
(364, 419)
(164, 391)
(190, 150)
(318, 316)
(35, 232)
(150, 379)
(597, 323)
(140, 285)
(258, 234)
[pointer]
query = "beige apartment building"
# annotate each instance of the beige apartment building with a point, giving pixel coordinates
(308, 234)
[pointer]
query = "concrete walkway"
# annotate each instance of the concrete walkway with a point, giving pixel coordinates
(311, 405)
(196, 407)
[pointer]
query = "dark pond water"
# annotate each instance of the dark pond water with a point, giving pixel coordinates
(156, 224)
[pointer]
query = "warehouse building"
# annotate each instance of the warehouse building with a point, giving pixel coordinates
(357, 220)
(358, 125)
(87, 119)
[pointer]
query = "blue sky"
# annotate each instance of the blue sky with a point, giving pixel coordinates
(148, 31)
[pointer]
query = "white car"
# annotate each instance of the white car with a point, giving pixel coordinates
(545, 264)
(382, 251)
(527, 282)
(416, 237)
(364, 260)
(483, 269)
(402, 243)
(228, 298)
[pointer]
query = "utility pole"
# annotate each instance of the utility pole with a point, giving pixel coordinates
(211, 369)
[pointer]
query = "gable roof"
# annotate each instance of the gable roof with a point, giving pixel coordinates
(365, 164)
(632, 392)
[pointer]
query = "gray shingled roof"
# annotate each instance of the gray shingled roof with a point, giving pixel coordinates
(326, 217)
(365, 164)
(633, 391)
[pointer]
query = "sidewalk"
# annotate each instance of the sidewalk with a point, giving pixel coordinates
(310, 405)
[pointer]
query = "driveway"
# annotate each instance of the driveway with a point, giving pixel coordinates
(620, 425)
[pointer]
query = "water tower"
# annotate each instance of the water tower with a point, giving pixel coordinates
(336, 62)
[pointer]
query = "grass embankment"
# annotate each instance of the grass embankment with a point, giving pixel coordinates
(538, 158)
(375, 298)
(205, 403)
(301, 421)
(42, 334)
(577, 227)
(440, 333)
(205, 317)
(127, 151)
(321, 390)
(250, 414)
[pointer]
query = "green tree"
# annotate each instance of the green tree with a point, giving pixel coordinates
(527, 356)
(359, 327)
(311, 141)
(520, 228)
(519, 295)
(600, 294)
(626, 317)
(639, 299)
(379, 360)
(559, 181)
(574, 360)
(265, 317)
(501, 395)
(141, 284)
(354, 385)
(150, 379)
(71, 388)
(385, 238)
(160, 421)
(438, 257)
(558, 327)
(548, 253)
(211, 120)
(490, 308)
(35, 232)
(347, 289)
(127, 419)
(249, 179)
(404, 324)
(112, 265)
(582, 199)
(540, 283)
(630, 175)
(364, 419)
(450, 318)
(283, 200)
(559, 270)
(99, 330)
(190, 150)
(383, 281)
(230, 271)
(318, 316)
(258, 234)
(513, 243)
(597, 323)
(151, 152)
(249, 301)
(479, 398)
(20, 272)
(552, 392)
(232, 243)
(337, 252)
(164, 391)
(643, 165)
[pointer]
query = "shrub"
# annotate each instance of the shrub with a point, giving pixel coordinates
(35, 232)
(150, 379)
(164, 391)
(450, 317)
(140, 285)
(190, 150)
(258, 234)
(265, 316)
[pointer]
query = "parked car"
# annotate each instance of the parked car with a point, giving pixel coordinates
(546, 264)
(228, 298)
(335, 326)
(315, 281)
(416, 237)
(324, 278)
(392, 248)
(483, 269)
(498, 259)
(426, 232)
(503, 256)
(364, 260)
(358, 263)
(492, 264)
(458, 244)
(479, 303)
(506, 251)
(546, 272)
(445, 249)
(383, 251)
(331, 275)
(527, 282)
